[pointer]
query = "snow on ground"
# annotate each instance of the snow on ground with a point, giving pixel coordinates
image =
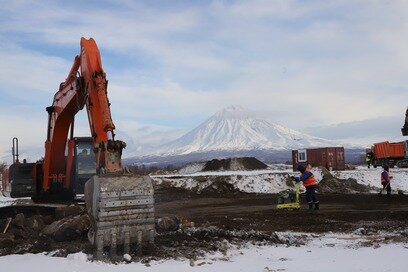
(273, 179)
(192, 168)
(226, 173)
(330, 252)
(371, 177)
(6, 201)
(245, 181)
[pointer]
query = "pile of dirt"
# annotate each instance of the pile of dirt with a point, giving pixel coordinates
(208, 185)
(234, 164)
(220, 186)
(64, 231)
(330, 184)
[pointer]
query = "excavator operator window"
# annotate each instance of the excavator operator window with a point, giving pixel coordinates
(85, 159)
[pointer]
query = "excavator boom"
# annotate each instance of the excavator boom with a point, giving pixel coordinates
(85, 84)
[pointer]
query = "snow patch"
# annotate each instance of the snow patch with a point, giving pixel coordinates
(79, 256)
(330, 252)
(275, 179)
(371, 177)
(192, 168)
(6, 201)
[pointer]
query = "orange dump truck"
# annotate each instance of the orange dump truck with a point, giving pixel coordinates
(391, 154)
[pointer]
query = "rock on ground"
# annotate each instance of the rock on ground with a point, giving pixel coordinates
(62, 212)
(168, 223)
(68, 228)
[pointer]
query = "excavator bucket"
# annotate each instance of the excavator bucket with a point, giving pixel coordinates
(121, 208)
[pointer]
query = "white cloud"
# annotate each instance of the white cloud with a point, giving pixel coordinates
(31, 132)
(29, 70)
(364, 132)
(318, 62)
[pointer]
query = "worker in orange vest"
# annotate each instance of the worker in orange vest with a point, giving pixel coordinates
(310, 183)
(386, 180)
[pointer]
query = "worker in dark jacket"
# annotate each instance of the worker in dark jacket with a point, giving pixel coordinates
(386, 180)
(369, 158)
(310, 183)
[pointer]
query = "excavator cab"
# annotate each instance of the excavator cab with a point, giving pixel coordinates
(84, 163)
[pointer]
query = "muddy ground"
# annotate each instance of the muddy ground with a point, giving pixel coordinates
(338, 212)
(210, 221)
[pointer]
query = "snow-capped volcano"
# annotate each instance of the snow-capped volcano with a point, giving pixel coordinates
(235, 128)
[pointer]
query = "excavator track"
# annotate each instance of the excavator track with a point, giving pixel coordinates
(122, 210)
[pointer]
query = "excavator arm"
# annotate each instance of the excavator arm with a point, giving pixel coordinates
(85, 84)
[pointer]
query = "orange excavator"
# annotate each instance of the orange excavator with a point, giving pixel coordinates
(120, 204)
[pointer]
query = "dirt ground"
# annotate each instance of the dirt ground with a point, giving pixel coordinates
(210, 221)
(338, 212)
(240, 217)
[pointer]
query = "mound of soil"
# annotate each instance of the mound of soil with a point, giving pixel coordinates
(234, 164)
(220, 186)
(199, 185)
(330, 184)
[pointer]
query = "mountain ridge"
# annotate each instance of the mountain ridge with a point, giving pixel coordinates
(237, 129)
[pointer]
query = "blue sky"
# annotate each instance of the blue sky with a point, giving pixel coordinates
(172, 64)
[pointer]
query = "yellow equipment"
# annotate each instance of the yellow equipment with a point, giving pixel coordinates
(289, 199)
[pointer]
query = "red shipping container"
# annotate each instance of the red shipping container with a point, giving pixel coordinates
(328, 157)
